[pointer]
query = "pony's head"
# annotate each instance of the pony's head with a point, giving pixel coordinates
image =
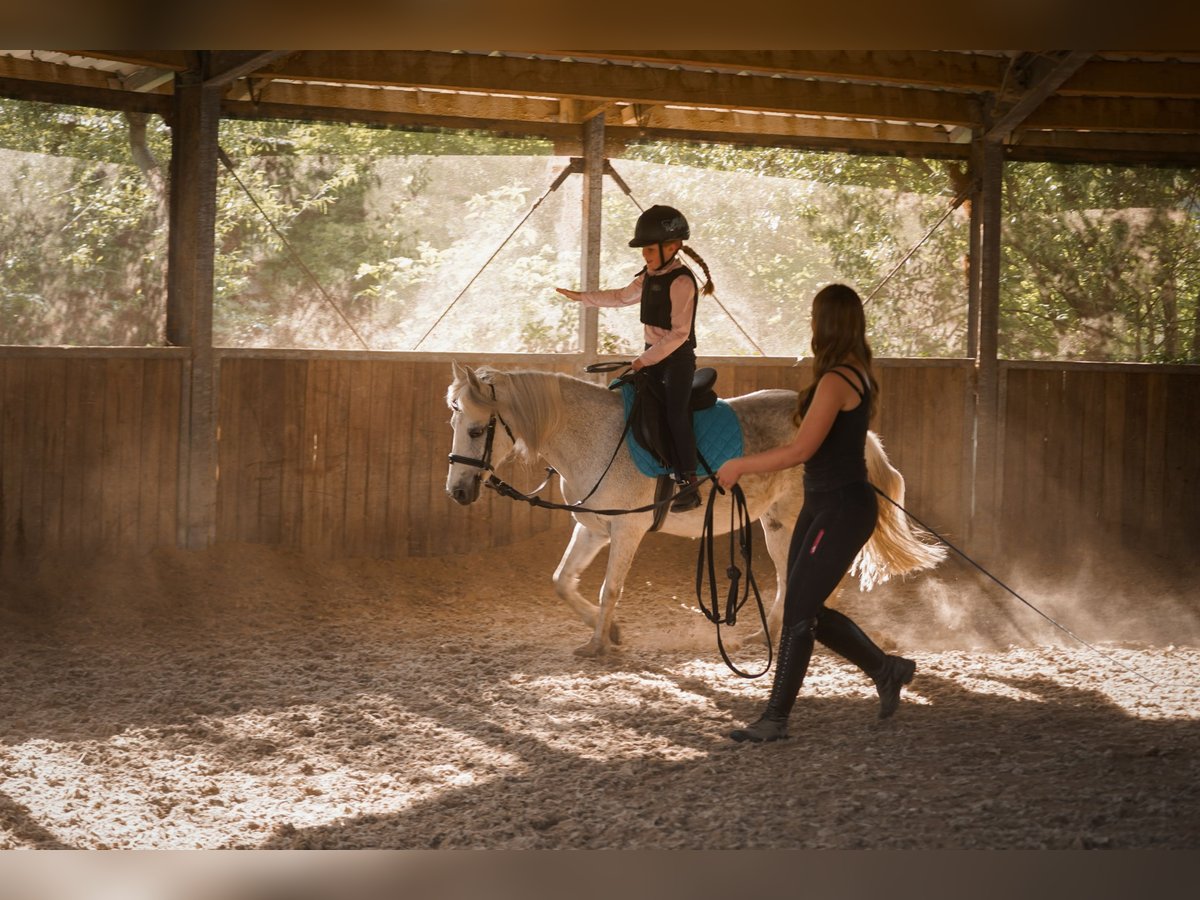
(476, 448)
(493, 414)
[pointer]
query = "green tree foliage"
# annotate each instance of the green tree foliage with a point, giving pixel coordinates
(793, 221)
(82, 226)
(1101, 263)
(408, 236)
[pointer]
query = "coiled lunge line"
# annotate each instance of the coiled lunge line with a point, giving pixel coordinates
(1057, 625)
(741, 535)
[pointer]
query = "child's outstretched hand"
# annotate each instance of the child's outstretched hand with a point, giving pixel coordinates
(569, 294)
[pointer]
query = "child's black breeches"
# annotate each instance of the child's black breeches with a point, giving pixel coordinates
(675, 374)
(831, 529)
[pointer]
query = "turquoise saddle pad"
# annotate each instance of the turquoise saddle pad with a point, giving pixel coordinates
(718, 437)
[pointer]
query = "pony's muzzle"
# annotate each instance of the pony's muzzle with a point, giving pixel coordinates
(464, 496)
(464, 491)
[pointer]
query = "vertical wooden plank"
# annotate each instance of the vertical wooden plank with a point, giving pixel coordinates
(930, 490)
(1181, 509)
(229, 402)
(154, 428)
(1011, 485)
(1133, 467)
(399, 459)
(92, 507)
(73, 458)
(53, 417)
(272, 418)
(170, 477)
(338, 425)
(1034, 464)
(379, 438)
(128, 461)
(11, 443)
(316, 454)
(1155, 465)
(360, 425)
(1091, 449)
(295, 443)
(33, 427)
(1114, 442)
(1053, 518)
(251, 454)
(425, 518)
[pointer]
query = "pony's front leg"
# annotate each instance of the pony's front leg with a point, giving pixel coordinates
(623, 546)
(580, 552)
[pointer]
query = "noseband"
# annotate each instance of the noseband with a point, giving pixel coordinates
(484, 463)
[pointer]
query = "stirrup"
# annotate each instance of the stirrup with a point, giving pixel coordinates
(688, 497)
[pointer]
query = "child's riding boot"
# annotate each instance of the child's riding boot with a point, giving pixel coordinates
(890, 673)
(688, 496)
(795, 650)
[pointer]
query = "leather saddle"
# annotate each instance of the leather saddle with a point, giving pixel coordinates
(648, 423)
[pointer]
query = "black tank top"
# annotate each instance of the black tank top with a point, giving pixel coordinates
(842, 457)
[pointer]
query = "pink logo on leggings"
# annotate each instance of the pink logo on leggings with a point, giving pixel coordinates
(816, 542)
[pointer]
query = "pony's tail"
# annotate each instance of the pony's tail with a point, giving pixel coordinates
(708, 282)
(895, 547)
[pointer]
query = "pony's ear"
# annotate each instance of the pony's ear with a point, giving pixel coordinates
(459, 372)
(473, 380)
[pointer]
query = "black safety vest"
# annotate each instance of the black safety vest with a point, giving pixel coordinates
(656, 300)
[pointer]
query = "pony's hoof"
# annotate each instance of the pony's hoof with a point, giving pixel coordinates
(733, 643)
(591, 649)
(759, 637)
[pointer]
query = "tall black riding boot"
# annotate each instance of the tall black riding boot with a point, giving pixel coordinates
(791, 664)
(890, 673)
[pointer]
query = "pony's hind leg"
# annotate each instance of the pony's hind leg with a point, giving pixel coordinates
(581, 550)
(778, 535)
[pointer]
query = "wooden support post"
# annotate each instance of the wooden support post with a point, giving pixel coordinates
(191, 249)
(589, 274)
(987, 159)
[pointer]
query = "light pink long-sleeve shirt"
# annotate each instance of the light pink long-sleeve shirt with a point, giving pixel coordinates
(662, 341)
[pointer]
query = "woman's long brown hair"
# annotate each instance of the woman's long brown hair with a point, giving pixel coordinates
(839, 331)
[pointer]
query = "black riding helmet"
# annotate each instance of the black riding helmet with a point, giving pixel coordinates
(659, 224)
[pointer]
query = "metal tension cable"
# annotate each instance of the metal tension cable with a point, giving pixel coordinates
(1062, 628)
(628, 193)
(955, 204)
(575, 165)
(228, 163)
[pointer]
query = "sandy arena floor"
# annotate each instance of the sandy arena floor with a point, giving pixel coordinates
(248, 698)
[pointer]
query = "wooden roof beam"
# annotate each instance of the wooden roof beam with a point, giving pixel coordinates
(226, 66)
(653, 86)
(490, 109)
(948, 70)
(175, 60)
(147, 79)
(1045, 83)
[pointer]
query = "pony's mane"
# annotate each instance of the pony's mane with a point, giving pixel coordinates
(529, 401)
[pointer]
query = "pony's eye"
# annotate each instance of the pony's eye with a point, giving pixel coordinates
(476, 432)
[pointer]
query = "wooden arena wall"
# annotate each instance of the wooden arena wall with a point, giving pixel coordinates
(345, 454)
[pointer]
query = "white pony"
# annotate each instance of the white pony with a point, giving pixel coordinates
(574, 426)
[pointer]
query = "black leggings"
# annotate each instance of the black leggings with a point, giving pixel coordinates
(831, 529)
(675, 374)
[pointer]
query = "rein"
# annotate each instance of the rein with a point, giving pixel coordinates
(743, 537)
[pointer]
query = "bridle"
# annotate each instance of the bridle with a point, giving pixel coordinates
(484, 463)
